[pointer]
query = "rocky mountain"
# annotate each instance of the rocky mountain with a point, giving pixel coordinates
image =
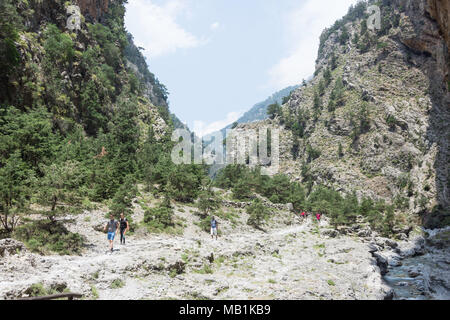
(292, 259)
(374, 119)
(80, 73)
(259, 111)
(78, 105)
(84, 134)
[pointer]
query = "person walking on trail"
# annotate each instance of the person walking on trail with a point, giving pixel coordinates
(124, 227)
(112, 227)
(214, 228)
(318, 216)
(303, 214)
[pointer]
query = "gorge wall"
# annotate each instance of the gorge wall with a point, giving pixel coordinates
(93, 9)
(374, 120)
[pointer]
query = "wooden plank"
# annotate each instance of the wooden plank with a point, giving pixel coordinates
(70, 296)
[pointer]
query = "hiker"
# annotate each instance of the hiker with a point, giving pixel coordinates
(112, 227)
(214, 228)
(318, 216)
(303, 215)
(124, 227)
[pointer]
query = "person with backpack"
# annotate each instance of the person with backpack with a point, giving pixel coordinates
(112, 227)
(214, 228)
(124, 227)
(318, 216)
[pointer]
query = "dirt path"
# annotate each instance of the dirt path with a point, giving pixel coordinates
(287, 262)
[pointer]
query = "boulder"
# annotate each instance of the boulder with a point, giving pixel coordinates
(99, 227)
(382, 262)
(330, 233)
(402, 237)
(373, 248)
(414, 273)
(10, 246)
(391, 243)
(395, 262)
(364, 233)
(344, 230)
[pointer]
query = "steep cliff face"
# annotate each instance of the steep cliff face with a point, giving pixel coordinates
(80, 75)
(428, 31)
(374, 119)
(93, 9)
(439, 10)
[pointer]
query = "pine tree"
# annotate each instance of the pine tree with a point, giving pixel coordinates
(340, 151)
(274, 110)
(207, 202)
(241, 190)
(327, 77)
(16, 181)
(58, 187)
(258, 213)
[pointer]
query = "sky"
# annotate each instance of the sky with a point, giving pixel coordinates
(218, 58)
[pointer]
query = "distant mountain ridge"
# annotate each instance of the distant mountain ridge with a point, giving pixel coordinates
(259, 111)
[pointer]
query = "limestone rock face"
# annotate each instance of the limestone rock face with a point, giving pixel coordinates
(93, 9)
(430, 31)
(440, 11)
(402, 82)
(73, 77)
(10, 246)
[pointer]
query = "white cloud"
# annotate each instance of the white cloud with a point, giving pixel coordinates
(201, 128)
(303, 28)
(155, 27)
(215, 25)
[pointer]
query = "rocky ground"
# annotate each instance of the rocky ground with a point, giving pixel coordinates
(291, 259)
(419, 268)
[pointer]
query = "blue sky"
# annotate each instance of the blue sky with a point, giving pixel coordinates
(219, 57)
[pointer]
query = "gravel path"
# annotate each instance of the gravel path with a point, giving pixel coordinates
(292, 260)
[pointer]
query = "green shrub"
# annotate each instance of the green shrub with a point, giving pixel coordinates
(336, 96)
(258, 214)
(159, 218)
(207, 202)
(381, 45)
(241, 191)
(184, 182)
(117, 284)
(391, 121)
(274, 110)
(312, 153)
(94, 292)
(36, 290)
(46, 237)
(206, 269)
(58, 46)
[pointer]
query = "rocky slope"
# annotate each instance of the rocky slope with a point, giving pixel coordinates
(87, 72)
(259, 111)
(293, 259)
(386, 135)
(93, 9)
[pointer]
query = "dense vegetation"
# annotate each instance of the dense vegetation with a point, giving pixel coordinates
(366, 39)
(342, 210)
(76, 125)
